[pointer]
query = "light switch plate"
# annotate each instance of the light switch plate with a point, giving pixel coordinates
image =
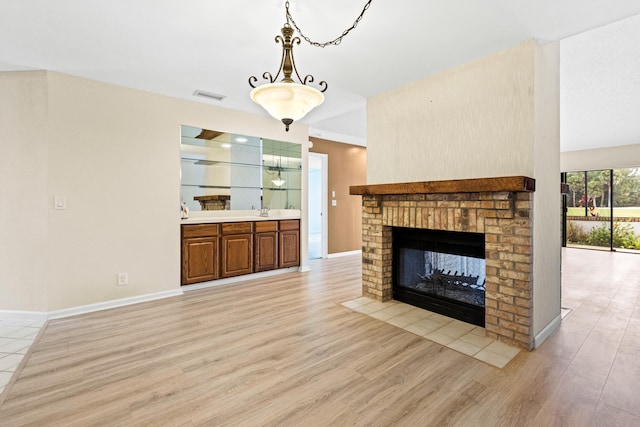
(123, 279)
(334, 203)
(60, 202)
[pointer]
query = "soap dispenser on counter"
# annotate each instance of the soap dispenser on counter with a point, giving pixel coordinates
(184, 210)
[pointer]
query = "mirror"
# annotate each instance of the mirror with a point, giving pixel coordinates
(224, 171)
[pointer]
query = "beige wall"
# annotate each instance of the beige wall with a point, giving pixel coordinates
(472, 121)
(24, 200)
(497, 116)
(547, 206)
(347, 166)
(622, 156)
(114, 153)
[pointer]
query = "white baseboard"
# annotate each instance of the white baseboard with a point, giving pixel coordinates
(66, 312)
(243, 278)
(112, 304)
(348, 253)
(547, 331)
(73, 311)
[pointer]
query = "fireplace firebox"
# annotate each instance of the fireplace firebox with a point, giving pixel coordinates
(441, 271)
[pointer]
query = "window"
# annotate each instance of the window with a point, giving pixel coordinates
(602, 209)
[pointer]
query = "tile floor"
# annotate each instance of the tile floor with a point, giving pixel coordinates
(16, 337)
(454, 334)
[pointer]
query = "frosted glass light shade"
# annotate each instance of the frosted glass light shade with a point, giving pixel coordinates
(278, 182)
(287, 100)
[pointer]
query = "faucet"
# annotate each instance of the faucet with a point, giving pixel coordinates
(264, 211)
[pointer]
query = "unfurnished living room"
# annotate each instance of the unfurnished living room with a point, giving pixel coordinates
(434, 219)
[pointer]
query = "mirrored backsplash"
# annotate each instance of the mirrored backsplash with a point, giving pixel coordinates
(225, 171)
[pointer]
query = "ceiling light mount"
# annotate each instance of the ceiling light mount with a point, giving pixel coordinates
(289, 100)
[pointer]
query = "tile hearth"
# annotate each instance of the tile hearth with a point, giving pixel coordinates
(454, 334)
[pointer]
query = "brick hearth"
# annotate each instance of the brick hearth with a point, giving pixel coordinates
(501, 208)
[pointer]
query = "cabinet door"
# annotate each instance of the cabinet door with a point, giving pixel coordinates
(266, 252)
(289, 248)
(237, 259)
(199, 259)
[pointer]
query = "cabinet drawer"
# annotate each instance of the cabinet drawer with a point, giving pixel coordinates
(290, 224)
(200, 230)
(263, 226)
(236, 227)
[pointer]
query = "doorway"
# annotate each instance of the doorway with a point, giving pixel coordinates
(317, 208)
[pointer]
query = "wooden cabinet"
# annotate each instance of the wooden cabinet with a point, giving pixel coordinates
(199, 253)
(265, 246)
(213, 251)
(237, 249)
(289, 243)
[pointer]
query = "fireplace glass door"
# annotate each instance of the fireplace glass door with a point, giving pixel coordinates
(441, 271)
(456, 277)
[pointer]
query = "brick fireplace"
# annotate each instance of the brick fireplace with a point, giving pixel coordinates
(500, 208)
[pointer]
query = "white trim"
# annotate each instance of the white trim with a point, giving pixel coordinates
(547, 331)
(66, 312)
(73, 311)
(36, 316)
(348, 253)
(112, 304)
(243, 278)
(304, 268)
(324, 202)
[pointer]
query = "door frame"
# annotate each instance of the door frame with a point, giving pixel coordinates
(324, 182)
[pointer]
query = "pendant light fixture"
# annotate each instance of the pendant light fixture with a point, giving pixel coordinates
(278, 182)
(288, 100)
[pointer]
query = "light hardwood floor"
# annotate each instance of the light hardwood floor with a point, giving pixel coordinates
(282, 351)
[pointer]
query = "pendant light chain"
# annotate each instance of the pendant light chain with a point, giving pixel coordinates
(334, 42)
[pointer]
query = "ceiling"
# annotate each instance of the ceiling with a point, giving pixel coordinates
(174, 48)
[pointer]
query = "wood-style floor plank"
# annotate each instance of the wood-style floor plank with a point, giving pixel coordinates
(282, 351)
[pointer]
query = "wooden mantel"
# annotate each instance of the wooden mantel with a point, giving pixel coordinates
(476, 185)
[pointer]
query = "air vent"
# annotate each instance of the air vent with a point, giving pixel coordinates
(209, 95)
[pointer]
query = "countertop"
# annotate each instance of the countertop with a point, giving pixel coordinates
(207, 217)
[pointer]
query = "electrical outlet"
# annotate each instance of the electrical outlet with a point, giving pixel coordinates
(123, 279)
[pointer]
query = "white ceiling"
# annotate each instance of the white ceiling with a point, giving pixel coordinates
(600, 82)
(174, 48)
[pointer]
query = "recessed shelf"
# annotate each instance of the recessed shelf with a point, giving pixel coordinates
(241, 167)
